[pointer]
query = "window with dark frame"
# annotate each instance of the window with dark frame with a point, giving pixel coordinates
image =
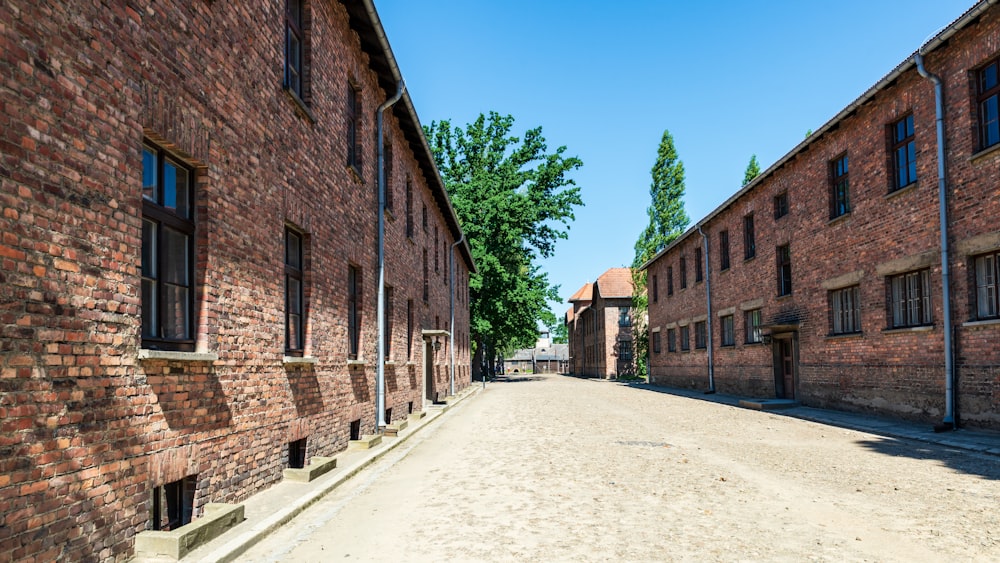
(752, 324)
(294, 294)
(910, 299)
(409, 329)
(656, 290)
(427, 287)
(656, 342)
(987, 272)
(353, 312)
(625, 350)
(781, 205)
(685, 338)
(784, 255)
(168, 232)
(409, 209)
(904, 153)
(671, 340)
(840, 199)
(436, 257)
(845, 310)
(670, 280)
(172, 504)
(624, 319)
(724, 250)
(387, 173)
(387, 321)
(353, 120)
(683, 272)
(700, 335)
(727, 332)
(988, 104)
(296, 48)
(699, 267)
(749, 242)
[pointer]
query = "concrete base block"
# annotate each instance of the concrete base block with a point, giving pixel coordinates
(393, 430)
(768, 404)
(367, 442)
(415, 416)
(175, 544)
(317, 467)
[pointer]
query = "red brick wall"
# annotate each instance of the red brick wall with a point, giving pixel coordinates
(87, 427)
(893, 372)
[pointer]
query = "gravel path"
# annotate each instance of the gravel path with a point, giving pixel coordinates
(552, 468)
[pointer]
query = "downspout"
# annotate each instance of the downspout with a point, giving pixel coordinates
(708, 307)
(451, 306)
(949, 364)
(380, 421)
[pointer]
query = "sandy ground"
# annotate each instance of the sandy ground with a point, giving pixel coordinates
(551, 468)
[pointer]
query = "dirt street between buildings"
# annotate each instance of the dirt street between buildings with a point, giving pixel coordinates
(553, 468)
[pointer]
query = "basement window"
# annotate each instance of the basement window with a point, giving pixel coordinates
(173, 504)
(297, 453)
(356, 429)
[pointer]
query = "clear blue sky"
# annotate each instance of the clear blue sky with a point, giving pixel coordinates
(728, 79)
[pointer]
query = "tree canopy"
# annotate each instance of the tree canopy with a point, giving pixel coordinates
(515, 200)
(752, 171)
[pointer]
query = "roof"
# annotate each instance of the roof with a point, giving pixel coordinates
(365, 21)
(616, 282)
(968, 18)
(585, 293)
(569, 315)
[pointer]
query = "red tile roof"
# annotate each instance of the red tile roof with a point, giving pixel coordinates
(616, 282)
(585, 293)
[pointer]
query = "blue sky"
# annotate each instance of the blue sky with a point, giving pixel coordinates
(728, 79)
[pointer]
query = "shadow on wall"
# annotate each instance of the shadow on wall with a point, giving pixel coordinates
(305, 391)
(191, 399)
(359, 385)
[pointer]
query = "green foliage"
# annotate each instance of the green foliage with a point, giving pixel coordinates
(752, 171)
(559, 332)
(515, 201)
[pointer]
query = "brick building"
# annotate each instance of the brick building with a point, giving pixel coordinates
(599, 326)
(826, 273)
(190, 266)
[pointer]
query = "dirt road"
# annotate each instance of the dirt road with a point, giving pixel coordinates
(552, 468)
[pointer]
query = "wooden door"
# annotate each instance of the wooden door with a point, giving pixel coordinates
(786, 367)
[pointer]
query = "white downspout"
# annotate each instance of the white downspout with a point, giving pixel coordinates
(708, 321)
(949, 353)
(380, 311)
(451, 305)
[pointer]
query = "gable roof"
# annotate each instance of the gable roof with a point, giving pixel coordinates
(585, 293)
(616, 282)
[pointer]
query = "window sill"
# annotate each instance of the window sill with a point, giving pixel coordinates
(758, 343)
(784, 297)
(391, 363)
(300, 106)
(299, 360)
(360, 362)
(838, 219)
(844, 335)
(748, 259)
(976, 158)
(904, 329)
(353, 168)
(984, 322)
(912, 186)
(146, 354)
(727, 346)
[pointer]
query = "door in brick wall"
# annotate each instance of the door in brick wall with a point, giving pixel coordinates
(429, 395)
(784, 365)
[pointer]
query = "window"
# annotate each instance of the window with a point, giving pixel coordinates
(387, 321)
(724, 250)
(294, 294)
(781, 205)
(623, 317)
(727, 331)
(297, 453)
(840, 203)
(845, 310)
(904, 153)
(699, 268)
(699, 334)
(670, 280)
(436, 256)
(178, 497)
(988, 90)
(911, 299)
(671, 340)
(423, 216)
(409, 329)
(167, 252)
(387, 173)
(353, 119)
(749, 244)
(752, 322)
(656, 342)
(784, 254)
(296, 48)
(625, 350)
(683, 272)
(656, 290)
(409, 209)
(427, 287)
(987, 269)
(353, 311)
(685, 338)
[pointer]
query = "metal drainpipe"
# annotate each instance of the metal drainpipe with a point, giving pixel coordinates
(380, 311)
(708, 307)
(451, 305)
(949, 361)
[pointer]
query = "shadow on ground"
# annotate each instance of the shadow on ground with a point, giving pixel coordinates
(517, 378)
(958, 460)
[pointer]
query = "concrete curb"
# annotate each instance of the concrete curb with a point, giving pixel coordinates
(240, 540)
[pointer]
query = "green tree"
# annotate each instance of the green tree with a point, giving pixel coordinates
(752, 171)
(514, 200)
(667, 221)
(559, 332)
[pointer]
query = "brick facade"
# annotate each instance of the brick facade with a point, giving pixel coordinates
(874, 253)
(91, 419)
(600, 342)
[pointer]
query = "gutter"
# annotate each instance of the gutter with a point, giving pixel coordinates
(451, 307)
(708, 308)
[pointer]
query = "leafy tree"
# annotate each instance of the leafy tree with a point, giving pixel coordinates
(752, 171)
(559, 332)
(514, 201)
(667, 221)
